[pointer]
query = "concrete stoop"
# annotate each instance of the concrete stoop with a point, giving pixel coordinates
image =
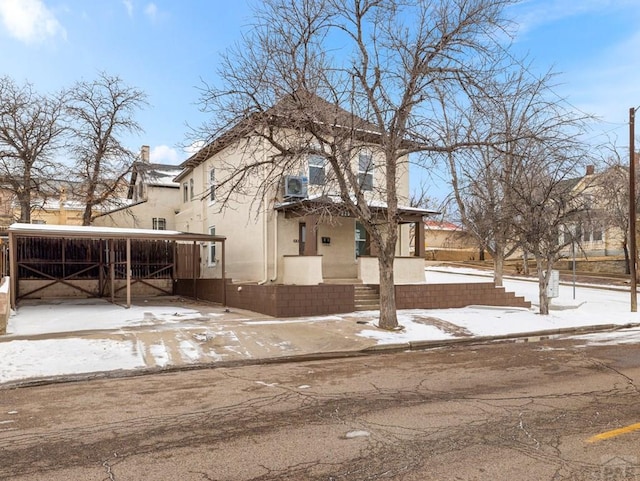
(366, 298)
(510, 299)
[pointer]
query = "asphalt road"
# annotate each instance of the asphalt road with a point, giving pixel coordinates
(512, 411)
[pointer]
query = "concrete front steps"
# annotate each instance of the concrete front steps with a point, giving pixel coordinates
(366, 298)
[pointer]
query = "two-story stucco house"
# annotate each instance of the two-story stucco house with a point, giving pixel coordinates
(277, 226)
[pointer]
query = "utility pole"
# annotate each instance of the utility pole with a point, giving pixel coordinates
(632, 210)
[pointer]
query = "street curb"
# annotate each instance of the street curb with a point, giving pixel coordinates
(533, 336)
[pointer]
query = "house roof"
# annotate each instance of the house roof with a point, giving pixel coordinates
(441, 225)
(92, 232)
(300, 109)
(157, 175)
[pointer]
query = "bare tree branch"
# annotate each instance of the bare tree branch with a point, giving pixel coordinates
(100, 113)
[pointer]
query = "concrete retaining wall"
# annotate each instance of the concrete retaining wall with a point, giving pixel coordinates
(295, 301)
(447, 296)
(275, 300)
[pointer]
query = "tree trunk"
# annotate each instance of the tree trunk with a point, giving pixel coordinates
(498, 267)
(627, 259)
(388, 314)
(543, 283)
(25, 209)
(86, 215)
(525, 263)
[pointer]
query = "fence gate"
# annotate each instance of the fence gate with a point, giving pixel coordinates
(186, 254)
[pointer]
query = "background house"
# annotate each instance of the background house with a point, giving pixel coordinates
(152, 197)
(447, 241)
(596, 234)
(56, 203)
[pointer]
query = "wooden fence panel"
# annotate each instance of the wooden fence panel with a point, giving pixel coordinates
(184, 261)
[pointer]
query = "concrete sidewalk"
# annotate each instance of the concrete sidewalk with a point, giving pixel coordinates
(216, 332)
(53, 340)
(172, 333)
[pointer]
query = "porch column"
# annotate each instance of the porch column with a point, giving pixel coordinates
(311, 242)
(195, 260)
(418, 247)
(224, 277)
(13, 268)
(128, 272)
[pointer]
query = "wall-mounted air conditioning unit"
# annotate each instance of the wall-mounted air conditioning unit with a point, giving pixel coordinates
(295, 186)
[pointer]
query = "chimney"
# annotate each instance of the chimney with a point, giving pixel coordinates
(590, 169)
(144, 153)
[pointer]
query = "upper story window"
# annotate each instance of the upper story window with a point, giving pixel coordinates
(185, 192)
(316, 169)
(191, 189)
(212, 185)
(365, 170)
(159, 223)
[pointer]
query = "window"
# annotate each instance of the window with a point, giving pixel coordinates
(185, 192)
(159, 223)
(362, 240)
(316, 170)
(38, 221)
(365, 170)
(597, 235)
(212, 185)
(212, 248)
(191, 194)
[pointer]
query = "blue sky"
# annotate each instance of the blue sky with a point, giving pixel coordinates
(166, 47)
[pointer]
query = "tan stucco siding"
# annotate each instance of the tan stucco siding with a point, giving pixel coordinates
(338, 257)
(161, 204)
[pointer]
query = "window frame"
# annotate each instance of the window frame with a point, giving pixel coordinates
(365, 174)
(212, 185)
(159, 223)
(319, 177)
(211, 249)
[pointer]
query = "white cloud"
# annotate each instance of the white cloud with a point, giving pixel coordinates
(129, 6)
(151, 10)
(30, 21)
(163, 154)
(530, 15)
(194, 147)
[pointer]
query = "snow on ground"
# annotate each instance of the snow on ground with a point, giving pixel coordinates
(93, 314)
(47, 351)
(623, 336)
(53, 357)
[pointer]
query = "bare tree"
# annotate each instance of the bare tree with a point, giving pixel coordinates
(101, 112)
(30, 133)
(549, 204)
(511, 120)
(613, 193)
(346, 75)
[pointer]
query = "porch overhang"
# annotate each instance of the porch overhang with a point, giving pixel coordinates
(315, 208)
(325, 204)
